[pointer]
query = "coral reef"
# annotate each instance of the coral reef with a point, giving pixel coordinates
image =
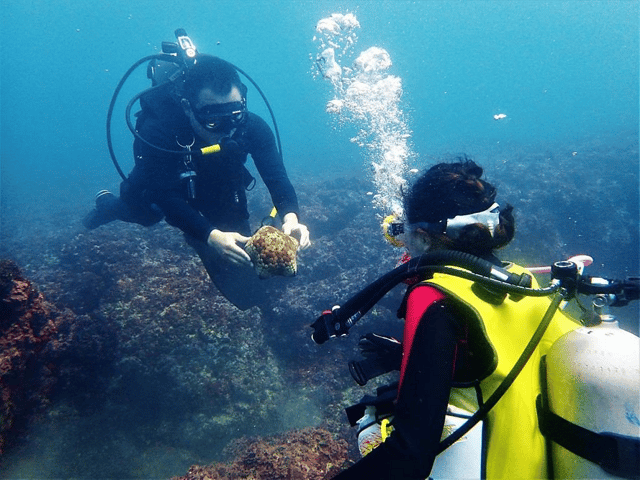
(32, 336)
(308, 454)
(144, 361)
(272, 252)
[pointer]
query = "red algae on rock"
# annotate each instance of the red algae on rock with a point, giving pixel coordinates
(307, 454)
(30, 337)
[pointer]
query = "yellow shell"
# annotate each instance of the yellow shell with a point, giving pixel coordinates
(273, 252)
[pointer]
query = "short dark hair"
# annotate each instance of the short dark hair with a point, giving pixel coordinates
(210, 72)
(450, 189)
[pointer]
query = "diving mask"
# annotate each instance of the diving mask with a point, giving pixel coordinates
(394, 229)
(490, 218)
(219, 117)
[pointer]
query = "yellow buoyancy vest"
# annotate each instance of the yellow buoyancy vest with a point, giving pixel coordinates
(515, 448)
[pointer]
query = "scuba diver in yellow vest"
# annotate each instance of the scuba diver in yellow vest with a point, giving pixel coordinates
(476, 330)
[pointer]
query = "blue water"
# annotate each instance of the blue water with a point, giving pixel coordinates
(564, 74)
(559, 70)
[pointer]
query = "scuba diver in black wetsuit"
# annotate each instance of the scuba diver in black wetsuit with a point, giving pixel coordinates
(204, 195)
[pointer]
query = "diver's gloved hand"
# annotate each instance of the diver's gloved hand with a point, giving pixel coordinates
(382, 354)
(291, 224)
(226, 245)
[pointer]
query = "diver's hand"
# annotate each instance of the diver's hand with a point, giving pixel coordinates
(226, 244)
(291, 224)
(382, 354)
(373, 345)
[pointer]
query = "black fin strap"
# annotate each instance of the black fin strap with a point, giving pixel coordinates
(616, 454)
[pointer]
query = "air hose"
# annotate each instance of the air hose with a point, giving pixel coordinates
(171, 58)
(340, 319)
(121, 83)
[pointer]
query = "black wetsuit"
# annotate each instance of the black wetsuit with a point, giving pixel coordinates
(410, 450)
(221, 179)
(158, 181)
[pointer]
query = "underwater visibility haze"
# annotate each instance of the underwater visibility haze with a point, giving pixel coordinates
(153, 370)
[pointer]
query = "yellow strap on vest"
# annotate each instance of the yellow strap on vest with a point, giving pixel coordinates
(210, 149)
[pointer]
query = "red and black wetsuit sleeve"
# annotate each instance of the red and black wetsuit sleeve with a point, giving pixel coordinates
(430, 342)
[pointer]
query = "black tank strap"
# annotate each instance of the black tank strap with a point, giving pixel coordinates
(616, 454)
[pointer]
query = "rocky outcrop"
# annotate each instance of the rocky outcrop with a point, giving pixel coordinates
(32, 337)
(308, 454)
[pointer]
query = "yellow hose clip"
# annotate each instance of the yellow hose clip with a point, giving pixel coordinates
(385, 428)
(270, 219)
(210, 149)
(388, 220)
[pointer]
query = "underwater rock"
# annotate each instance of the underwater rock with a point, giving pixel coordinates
(31, 339)
(309, 454)
(273, 252)
(214, 373)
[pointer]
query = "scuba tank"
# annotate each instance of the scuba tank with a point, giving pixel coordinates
(593, 392)
(461, 460)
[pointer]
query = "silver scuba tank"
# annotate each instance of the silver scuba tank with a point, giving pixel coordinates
(593, 381)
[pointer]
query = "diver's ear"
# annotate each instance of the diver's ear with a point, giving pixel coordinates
(243, 92)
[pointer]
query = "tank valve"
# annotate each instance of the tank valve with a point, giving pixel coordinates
(566, 273)
(601, 304)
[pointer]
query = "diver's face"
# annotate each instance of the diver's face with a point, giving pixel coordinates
(212, 115)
